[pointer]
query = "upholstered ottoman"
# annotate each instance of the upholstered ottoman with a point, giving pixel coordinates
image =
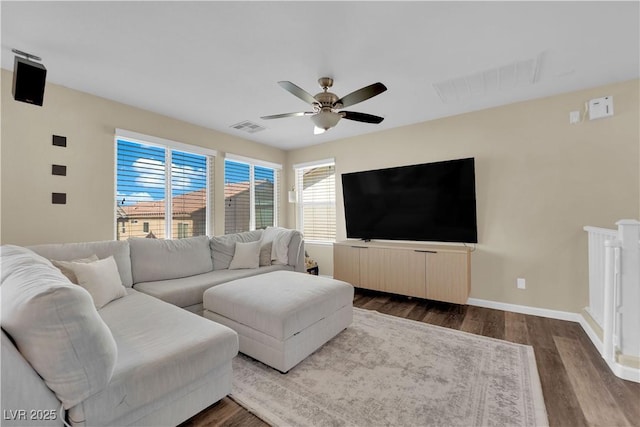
(283, 316)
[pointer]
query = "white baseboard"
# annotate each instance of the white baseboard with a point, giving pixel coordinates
(621, 371)
(525, 309)
(593, 336)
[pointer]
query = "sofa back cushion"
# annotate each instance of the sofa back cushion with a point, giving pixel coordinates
(159, 259)
(119, 249)
(224, 247)
(55, 326)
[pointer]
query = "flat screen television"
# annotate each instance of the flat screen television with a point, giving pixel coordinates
(426, 202)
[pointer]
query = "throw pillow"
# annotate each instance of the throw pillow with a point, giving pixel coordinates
(246, 256)
(224, 247)
(101, 279)
(65, 266)
(265, 254)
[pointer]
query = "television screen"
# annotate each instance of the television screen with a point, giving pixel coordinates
(427, 202)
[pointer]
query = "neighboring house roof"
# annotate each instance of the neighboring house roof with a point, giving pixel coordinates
(121, 213)
(235, 188)
(185, 204)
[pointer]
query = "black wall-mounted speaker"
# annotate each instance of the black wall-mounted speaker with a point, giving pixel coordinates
(28, 81)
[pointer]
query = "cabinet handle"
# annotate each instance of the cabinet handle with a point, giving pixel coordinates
(425, 252)
(360, 247)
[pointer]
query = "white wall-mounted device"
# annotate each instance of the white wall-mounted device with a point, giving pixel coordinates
(574, 117)
(600, 107)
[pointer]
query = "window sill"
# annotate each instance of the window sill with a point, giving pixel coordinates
(318, 242)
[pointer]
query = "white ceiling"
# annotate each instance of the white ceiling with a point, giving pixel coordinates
(218, 63)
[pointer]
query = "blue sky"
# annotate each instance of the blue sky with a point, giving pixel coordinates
(141, 172)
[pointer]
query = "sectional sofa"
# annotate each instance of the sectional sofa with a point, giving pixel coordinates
(136, 354)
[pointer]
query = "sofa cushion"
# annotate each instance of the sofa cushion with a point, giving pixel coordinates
(103, 249)
(247, 255)
(265, 254)
(224, 247)
(101, 279)
(161, 348)
(55, 326)
(188, 291)
(159, 259)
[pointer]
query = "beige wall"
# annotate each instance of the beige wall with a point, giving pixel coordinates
(539, 180)
(88, 122)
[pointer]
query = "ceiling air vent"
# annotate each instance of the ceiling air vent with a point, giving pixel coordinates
(489, 82)
(248, 126)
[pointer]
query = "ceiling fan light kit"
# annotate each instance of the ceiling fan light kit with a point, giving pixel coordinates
(325, 114)
(325, 120)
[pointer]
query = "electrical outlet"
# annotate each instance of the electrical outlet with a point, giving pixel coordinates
(521, 283)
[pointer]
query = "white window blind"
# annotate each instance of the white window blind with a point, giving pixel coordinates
(251, 195)
(147, 176)
(264, 179)
(317, 201)
(237, 197)
(188, 194)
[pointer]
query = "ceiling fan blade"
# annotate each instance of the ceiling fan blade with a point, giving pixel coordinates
(361, 94)
(298, 91)
(361, 117)
(280, 116)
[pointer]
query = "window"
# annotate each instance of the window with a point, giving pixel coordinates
(264, 202)
(316, 186)
(152, 170)
(250, 194)
(183, 230)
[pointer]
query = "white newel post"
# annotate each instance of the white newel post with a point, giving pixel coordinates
(629, 327)
(611, 300)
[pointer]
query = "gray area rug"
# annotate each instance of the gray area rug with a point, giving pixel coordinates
(389, 371)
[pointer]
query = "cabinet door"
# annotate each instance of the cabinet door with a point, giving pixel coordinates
(448, 277)
(346, 264)
(372, 268)
(404, 273)
(417, 274)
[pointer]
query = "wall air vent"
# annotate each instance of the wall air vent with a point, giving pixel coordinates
(489, 82)
(248, 126)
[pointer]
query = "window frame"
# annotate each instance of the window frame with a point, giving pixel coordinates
(299, 169)
(252, 163)
(169, 146)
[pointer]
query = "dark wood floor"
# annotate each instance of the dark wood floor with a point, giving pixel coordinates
(578, 387)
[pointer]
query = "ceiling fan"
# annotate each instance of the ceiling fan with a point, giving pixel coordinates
(325, 114)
